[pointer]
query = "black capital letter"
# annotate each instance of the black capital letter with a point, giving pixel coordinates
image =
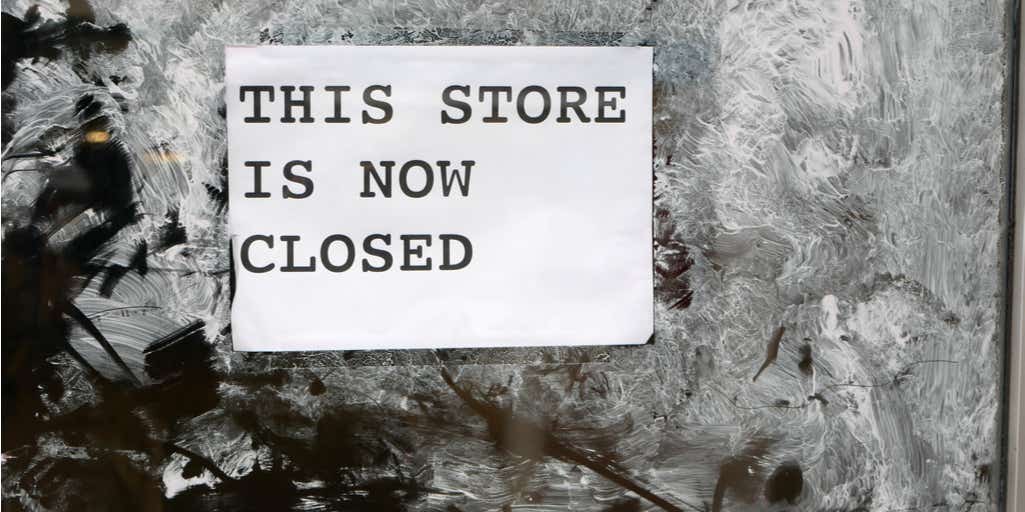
(384, 106)
(257, 179)
(609, 102)
(325, 248)
(337, 90)
(304, 103)
(290, 266)
(408, 250)
(521, 104)
(467, 252)
(306, 182)
(383, 185)
(428, 178)
(494, 90)
(244, 253)
(369, 248)
(464, 107)
(566, 104)
(256, 90)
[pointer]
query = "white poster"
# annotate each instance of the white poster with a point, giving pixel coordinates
(439, 197)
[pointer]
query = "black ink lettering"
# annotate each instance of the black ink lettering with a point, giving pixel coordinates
(244, 253)
(404, 178)
(385, 256)
(408, 250)
(383, 185)
(576, 105)
(290, 266)
(521, 104)
(257, 179)
(446, 253)
(256, 90)
(383, 106)
(306, 182)
(325, 250)
(494, 90)
(446, 97)
(446, 182)
(290, 102)
(337, 90)
(609, 102)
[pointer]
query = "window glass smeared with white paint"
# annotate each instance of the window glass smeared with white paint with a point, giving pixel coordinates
(431, 197)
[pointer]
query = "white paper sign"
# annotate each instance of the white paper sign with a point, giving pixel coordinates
(439, 197)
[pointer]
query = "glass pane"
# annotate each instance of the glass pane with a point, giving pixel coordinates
(830, 241)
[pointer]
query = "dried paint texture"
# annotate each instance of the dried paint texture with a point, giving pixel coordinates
(830, 184)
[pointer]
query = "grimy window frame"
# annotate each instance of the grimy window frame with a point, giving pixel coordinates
(1015, 353)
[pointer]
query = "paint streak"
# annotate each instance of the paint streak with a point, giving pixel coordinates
(771, 351)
